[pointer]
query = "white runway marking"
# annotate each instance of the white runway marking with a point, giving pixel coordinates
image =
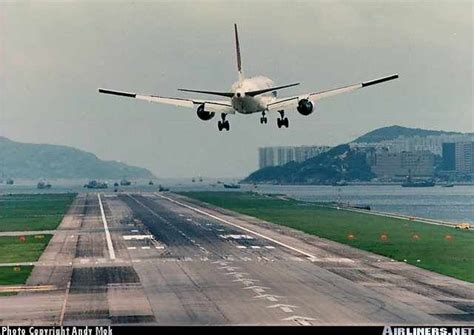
(241, 247)
(134, 230)
(307, 254)
(284, 308)
(255, 247)
(145, 248)
(237, 237)
(269, 247)
(137, 237)
(131, 248)
(110, 246)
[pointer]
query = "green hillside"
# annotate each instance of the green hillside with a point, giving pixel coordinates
(34, 161)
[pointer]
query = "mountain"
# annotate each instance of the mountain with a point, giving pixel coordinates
(34, 161)
(392, 132)
(339, 163)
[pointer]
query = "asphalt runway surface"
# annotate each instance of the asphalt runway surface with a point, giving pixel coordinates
(175, 261)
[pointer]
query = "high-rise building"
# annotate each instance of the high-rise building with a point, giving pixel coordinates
(433, 143)
(274, 156)
(464, 157)
(401, 164)
(449, 157)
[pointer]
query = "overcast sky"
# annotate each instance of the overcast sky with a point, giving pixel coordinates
(54, 56)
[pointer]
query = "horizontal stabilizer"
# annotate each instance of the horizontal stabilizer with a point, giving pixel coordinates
(222, 94)
(266, 90)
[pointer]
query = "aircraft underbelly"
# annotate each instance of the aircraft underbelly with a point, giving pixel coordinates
(247, 105)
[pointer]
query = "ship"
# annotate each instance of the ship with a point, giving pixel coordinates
(448, 185)
(231, 186)
(151, 183)
(42, 185)
(419, 183)
(340, 183)
(10, 181)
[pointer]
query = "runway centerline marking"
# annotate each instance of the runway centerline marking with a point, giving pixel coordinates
(110, 246)
(310, 256)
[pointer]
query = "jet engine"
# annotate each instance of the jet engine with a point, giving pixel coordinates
(203, 115)
(305, 107)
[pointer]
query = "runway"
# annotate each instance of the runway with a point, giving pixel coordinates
(175, 261)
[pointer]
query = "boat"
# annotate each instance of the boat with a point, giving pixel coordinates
(231, 186)
(421, 183)
(162, 189)
(42, 185)
(151, 183)
(448, 185)
(340, 183)
(125, 182)
(94, 184)
(418, 183)
(10, 181)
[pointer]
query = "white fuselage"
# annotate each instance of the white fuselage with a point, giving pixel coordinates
(247, 104)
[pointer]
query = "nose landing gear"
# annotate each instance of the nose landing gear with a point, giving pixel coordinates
(282, 121)
(263, 119)
(224, 124)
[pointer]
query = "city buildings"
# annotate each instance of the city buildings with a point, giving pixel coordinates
(401, 164)
(275, 156)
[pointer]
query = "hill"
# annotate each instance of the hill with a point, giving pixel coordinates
(392, 132)
(339, 163)
(34, 161)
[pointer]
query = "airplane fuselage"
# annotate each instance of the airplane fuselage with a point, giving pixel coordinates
(245, 104)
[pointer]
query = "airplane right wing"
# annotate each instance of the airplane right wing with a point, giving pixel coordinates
(293, 101)
(210, 105)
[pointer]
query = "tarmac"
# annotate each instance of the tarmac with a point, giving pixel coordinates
(175, 261)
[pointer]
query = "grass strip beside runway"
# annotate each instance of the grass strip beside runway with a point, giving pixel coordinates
(436, 248)
(19, 249)
(22, 212)
(12, 275)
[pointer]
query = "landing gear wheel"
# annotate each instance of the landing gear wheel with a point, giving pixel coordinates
(226, 125)
(263, 120)
(283, 122)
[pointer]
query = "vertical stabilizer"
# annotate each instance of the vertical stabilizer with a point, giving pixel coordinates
(237, 51)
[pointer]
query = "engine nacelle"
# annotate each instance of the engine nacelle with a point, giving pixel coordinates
(203, 115)
(305, 107)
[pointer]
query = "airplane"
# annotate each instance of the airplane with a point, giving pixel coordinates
(249, 96)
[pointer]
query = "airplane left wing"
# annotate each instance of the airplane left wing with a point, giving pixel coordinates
(210, 105)
(293, 101)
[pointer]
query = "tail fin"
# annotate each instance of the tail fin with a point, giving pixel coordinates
(237, 50)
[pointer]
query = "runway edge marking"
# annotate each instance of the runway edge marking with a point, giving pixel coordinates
(110, 246)
(310, 256)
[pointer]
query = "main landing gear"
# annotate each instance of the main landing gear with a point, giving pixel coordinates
(224, 124)
(282, 121)
(263, 119)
